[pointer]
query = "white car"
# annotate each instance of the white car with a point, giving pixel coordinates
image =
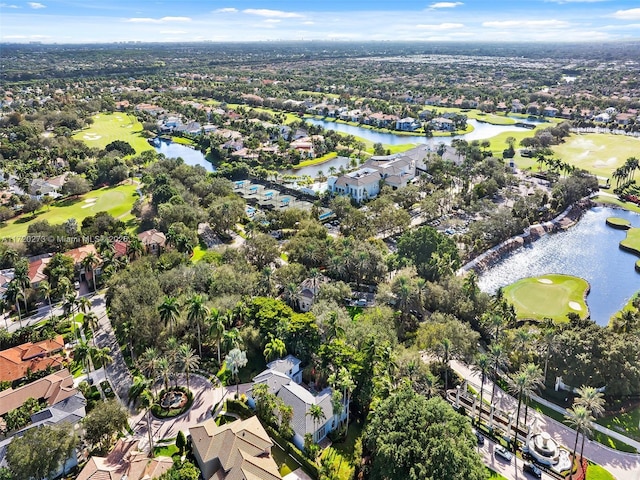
(503, 453)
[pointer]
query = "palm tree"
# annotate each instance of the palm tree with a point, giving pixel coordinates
(536, 379)
(45, 290)
(91, 319)
(197, 311)
(482, 367)
(593, 401)
(82, 353)
(579, 418)
(522, 384)
(102, 356)
(232, 339)
(146, 402)
(236, 359)
(345, 381)
(625, 322)
(500, 360)
(169, 311)
(14, 294)
(89, 263)
(317, 415)
(165, 369)
(217, 328)
(548, 339)
(83, 304)
(275, 348)
(187, 359)
(148, 363)
(444, 352)
(134, 248)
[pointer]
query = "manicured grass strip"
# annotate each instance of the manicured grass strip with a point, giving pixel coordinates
(552, 296)
(606, 199)
(495, 475)
(108, 127)
(316, 161)
(183, 141)
(165, 451)
(625, 423)
(632, 242)
(596, 472)
(619, 223)
(115, 200)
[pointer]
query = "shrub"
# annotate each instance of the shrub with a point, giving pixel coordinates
(242, 409)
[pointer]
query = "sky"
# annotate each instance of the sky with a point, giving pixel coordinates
(89, 21)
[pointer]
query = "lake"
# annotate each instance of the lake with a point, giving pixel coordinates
(481, 131)
(191, 156)
(589, 250)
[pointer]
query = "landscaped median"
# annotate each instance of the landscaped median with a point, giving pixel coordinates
(549, 296)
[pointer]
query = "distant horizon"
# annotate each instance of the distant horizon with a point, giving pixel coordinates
(72, 22)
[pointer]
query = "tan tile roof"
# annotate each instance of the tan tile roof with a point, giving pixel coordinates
(53, 389)
(80, 253)
(36, 270)
(125, 461)
(16, 362)
(241, 447)
(151, 237)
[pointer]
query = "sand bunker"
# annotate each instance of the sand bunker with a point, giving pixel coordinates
(92, 136)
(545, 280)
(90, 200)
(88, 205)
(575, 306)
(605, 163)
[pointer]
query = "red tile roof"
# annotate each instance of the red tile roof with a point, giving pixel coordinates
(53, 389)
(16, 362)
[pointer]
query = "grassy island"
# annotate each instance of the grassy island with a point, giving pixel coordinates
(619, 223)
(552, 296)
(632, 242)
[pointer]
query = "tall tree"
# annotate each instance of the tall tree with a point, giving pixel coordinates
(40, 452)
(523, 384)
(187, 359)
(146, 402)
(412, 438)
(197, 311)
(275, 348)
(236, 359)
(482, 366)
(580, 419)
(169, 311)
(317, 415)
(217, 328)
(90, 262)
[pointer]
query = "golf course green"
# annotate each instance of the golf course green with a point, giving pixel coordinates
(552, 296)
(632, 242)
(108, 127)
(115, 200)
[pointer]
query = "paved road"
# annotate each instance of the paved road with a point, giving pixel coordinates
(511, 471)
(624, 466)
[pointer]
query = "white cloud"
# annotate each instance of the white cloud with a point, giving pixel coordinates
(631, 14)
(445, 4)
(157, 20)
(308, 22)
(173, 32)
(272, 20)
(440, 26)
(526, 23)
(227, 10)
(265, 12)
(6, 5)
(36, 5)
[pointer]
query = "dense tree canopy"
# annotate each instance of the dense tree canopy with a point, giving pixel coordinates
(433, 253)
(414, 438)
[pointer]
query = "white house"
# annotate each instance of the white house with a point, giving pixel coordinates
(284, 379)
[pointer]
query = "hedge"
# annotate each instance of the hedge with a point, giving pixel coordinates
(241, 408)
(307, 465)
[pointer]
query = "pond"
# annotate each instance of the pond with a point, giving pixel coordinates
(481, 131)
(589, 250)
(191, 156)
(325, 167)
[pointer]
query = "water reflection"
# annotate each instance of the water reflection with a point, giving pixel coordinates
(589, 250)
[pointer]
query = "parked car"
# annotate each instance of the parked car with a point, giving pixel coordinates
(479, 437)
(532, 469)
(503, 453)
(76, 285)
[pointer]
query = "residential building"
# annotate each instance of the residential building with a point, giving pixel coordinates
(240, 450)
(153, 241)
(78, 255)
(53, 388)
(308, 290)
(6, 276)
(443, 124)
(125, 462)
(18, 362)
(36, 271)
(407, 124)
(284, 379)
(394, 170)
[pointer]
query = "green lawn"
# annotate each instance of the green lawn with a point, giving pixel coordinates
(494, 119)
(626, 423)
(495, 475)
(165, 451)
(108, 127)
(316, 161)
(115, 200)
(551, 296)
(596, 472)
(632, 207)
(342, 452)
(285, 463)
(617, 222)
(632, 241)
(600, 154)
